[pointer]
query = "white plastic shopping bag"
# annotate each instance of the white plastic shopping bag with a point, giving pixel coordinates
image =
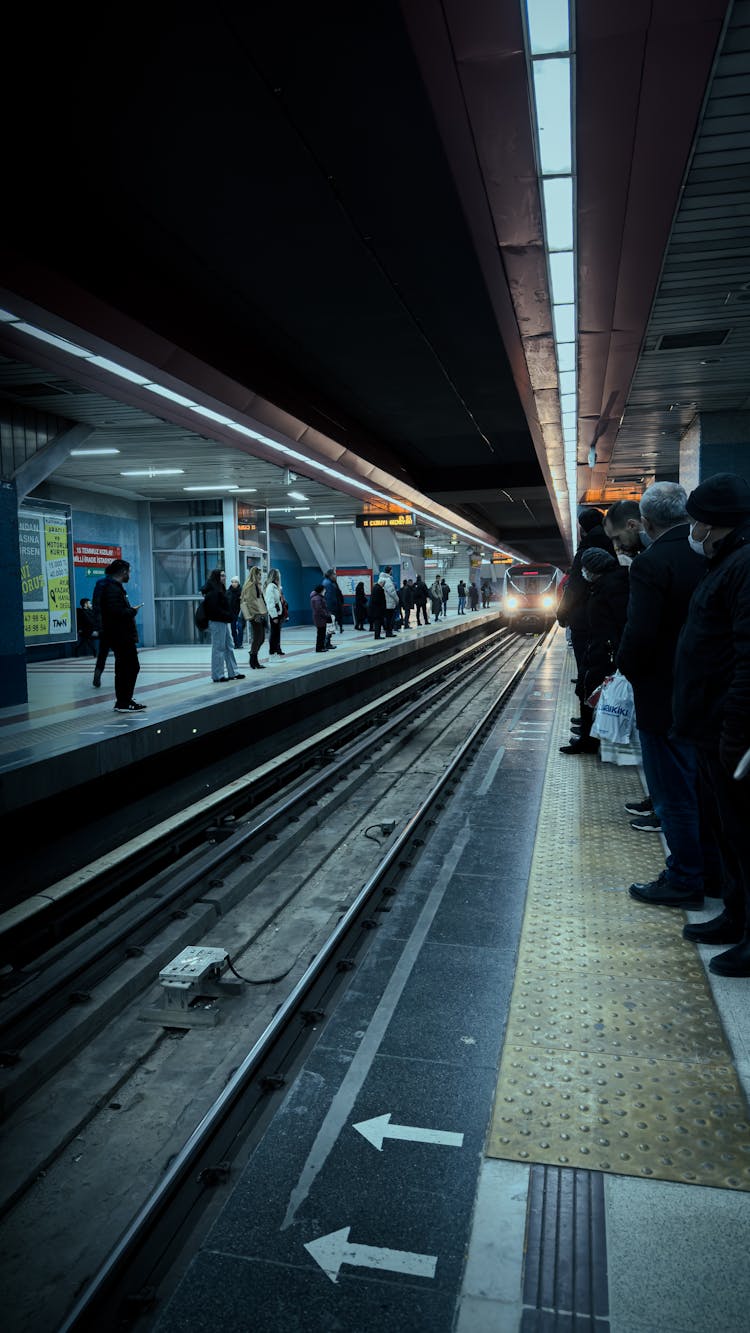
(615, 712)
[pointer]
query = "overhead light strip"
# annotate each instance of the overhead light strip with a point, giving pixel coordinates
(548, 31)
(113, 367)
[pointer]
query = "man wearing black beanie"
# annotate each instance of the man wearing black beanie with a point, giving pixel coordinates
(711, 702)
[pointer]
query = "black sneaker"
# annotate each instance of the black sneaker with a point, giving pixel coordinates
(132, 707)
(640, 807)
(646, 824)
(660, 893)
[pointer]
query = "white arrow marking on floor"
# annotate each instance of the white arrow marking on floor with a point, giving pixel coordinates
(333, 1250)
(380, 1128)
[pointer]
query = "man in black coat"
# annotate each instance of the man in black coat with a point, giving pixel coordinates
(711, 700)
(662, 581)
(606, 610)
(118, 628)
(572, 612)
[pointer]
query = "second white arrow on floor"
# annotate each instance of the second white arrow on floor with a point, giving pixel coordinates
(335, 1249)
(380, 1128)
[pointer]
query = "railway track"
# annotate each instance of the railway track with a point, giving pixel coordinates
(269, 882)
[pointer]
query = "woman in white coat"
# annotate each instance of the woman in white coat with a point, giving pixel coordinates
(274, 601)
(255, 612)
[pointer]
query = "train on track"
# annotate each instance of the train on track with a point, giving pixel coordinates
(530, 596)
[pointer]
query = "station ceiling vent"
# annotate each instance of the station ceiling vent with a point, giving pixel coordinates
(674, 342)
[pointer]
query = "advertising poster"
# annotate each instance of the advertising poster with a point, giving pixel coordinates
(46, 559)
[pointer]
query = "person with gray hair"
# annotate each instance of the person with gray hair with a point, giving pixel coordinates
(662, 580)
(663, 507)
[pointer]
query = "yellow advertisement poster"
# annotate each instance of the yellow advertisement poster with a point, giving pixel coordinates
(46, 566)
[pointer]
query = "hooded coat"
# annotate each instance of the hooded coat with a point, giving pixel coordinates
(606, 613)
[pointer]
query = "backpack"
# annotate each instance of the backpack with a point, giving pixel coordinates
(201, 617)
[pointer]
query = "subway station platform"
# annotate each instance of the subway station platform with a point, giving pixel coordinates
(529, 1111)
(68, 733)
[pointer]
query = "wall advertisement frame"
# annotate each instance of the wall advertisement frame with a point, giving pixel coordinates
(45, 543)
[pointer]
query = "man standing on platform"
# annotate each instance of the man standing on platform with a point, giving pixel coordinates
(662, 580)
(711, 701)
(119, 631)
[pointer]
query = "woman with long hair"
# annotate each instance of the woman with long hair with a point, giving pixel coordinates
(273, 597)
(254, 610)
(223, 661)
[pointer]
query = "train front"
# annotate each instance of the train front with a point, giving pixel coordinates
(530, 597)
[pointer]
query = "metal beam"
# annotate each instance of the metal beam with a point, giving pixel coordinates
(43, 463)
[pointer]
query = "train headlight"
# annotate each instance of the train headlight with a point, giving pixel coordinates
(548, 601)
(512, 601)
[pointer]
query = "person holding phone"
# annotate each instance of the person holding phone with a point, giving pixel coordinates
(118, 628)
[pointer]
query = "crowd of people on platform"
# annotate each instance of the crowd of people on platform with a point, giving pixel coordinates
(659, 590)
(107, 622)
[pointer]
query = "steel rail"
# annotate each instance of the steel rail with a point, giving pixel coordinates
(90, 1304)
(24, 1012)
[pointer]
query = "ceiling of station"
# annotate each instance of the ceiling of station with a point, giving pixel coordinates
(338, 210)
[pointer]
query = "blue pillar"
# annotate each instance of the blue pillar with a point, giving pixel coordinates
(13, 688)
(715, 442)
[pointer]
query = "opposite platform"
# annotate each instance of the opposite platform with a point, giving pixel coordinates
(68, 734)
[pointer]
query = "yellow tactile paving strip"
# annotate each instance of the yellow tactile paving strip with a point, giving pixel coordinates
(614, 1057)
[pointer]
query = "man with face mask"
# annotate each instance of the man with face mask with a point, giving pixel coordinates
(662, 580)
(623, 525)
(711, 700)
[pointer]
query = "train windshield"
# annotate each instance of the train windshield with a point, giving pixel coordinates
(531, 582)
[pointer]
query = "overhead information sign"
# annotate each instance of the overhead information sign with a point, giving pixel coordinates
(401, 520)
(498, 559)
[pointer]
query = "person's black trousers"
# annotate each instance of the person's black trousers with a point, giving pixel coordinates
(127, 667)
(726, 805)
(320, 638)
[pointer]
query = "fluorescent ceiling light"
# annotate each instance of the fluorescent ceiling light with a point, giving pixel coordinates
(296, 495)
(564, 320)
(89, 453)
(549, 28)
(210, 488)
(246, 490)
(315, 516)
(557, 195)
(284, 509)
(114, 369)
(7, 318)
(155, 472)
(566, 356)
(336, 522)
(552, 96)
(567, 381)
(169, 393)
(567, 401)
(562, 277)
(569, 419)
(72, 348)
(211, 415)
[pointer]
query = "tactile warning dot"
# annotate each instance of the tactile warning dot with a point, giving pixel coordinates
(614, 1057)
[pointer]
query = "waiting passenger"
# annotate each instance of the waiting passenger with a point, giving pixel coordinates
(360, 606)
(88, 634)
(461, 594)
(607, 609)
(572, 611)
(119, 631)
(473, 597)
(385, 580)
(420, 599)
(321, 617)
(436, 597)
(237, 623)
(274, 599)
(711, 701)
(223, 660)
(406, 601)
(255, 611)
(378, 608)
(662, 580)
(622, 524)
(334, 598)
(446, 594)
(486, 593)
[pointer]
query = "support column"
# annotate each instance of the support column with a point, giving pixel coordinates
(13, 689)
(147, 615)
(715, 442)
